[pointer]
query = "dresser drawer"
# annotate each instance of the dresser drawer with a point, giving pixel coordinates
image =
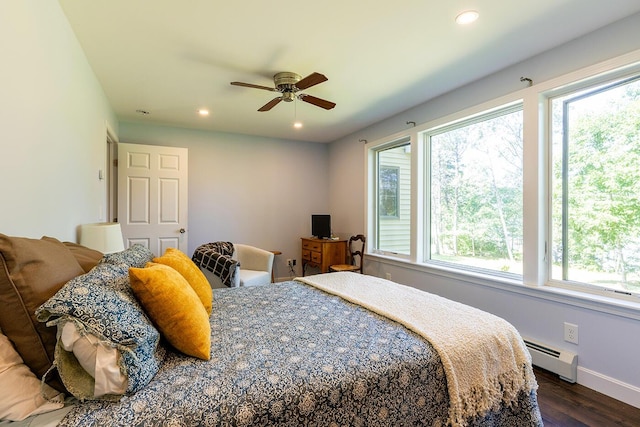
(306, 254)
(316, 257)
(312, 246)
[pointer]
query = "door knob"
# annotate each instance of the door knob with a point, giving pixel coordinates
(182, 231)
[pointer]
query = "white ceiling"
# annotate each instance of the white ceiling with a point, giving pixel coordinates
(173, 57)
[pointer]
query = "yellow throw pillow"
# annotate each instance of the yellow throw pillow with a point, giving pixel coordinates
(174, 307)
(180, 262)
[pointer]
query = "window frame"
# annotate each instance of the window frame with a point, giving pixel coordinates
(536, 192)
(605, 79)
(372, 201)
(425, 137)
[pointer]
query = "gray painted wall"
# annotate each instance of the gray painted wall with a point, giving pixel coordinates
(54, 117)
(246, 189)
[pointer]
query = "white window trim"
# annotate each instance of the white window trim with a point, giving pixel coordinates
(536, 199)
(603, 304)
(370, 199)
(614, 69)
(487, 114)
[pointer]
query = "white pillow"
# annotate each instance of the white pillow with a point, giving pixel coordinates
(97, 359)
(20, 393)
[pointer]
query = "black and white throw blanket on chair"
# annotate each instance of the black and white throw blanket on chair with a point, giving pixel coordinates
(216, 257)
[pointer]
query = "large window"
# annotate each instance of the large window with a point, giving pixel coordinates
(540, 187)
(595, 187)
(393, 184)
(475, 192)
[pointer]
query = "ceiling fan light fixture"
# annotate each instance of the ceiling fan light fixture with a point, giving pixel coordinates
(467, 17)
(288, 96)
(288, 85)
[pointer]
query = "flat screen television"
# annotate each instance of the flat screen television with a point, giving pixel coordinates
(321, 226)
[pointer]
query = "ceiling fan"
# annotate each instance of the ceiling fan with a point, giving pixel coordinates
(289, 84)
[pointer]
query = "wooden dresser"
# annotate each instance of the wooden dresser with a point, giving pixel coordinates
(322, 253)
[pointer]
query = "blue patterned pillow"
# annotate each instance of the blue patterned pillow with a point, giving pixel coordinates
(102, 303)
(135, 256)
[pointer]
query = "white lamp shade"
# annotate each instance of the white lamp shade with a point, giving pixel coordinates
(105, 237)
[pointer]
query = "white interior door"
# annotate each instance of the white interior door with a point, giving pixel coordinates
(153, 196)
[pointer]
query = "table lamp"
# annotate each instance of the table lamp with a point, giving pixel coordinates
(105, 237)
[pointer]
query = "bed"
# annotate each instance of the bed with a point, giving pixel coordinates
(326, 350)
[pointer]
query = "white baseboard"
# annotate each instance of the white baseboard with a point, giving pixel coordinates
(612, 387)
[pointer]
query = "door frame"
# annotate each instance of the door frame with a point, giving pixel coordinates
(112, 175)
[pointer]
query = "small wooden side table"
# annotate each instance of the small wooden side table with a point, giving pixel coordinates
(322, 253)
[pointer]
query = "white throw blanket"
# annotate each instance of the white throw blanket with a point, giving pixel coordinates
(485, 360)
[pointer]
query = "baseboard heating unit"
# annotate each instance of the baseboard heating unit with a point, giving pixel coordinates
(561, 362)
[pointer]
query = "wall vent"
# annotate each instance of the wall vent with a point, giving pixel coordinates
(561, 362)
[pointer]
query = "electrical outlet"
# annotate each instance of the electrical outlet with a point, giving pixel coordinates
(571, 333)
(294, 262)
(289, 262)
(388, 276)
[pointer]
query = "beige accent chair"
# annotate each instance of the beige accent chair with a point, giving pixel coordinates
(254, 269)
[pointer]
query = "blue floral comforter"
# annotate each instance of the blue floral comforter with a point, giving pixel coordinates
(291, 355)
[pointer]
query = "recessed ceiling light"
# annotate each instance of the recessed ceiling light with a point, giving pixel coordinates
(297, 125)
(467, 17)
(203, 112)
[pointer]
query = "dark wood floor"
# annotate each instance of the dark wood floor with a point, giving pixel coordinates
(566, 405)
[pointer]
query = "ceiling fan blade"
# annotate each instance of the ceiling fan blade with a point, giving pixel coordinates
(311, 80)
(322, 103)
(269, 105)
(254, 86)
